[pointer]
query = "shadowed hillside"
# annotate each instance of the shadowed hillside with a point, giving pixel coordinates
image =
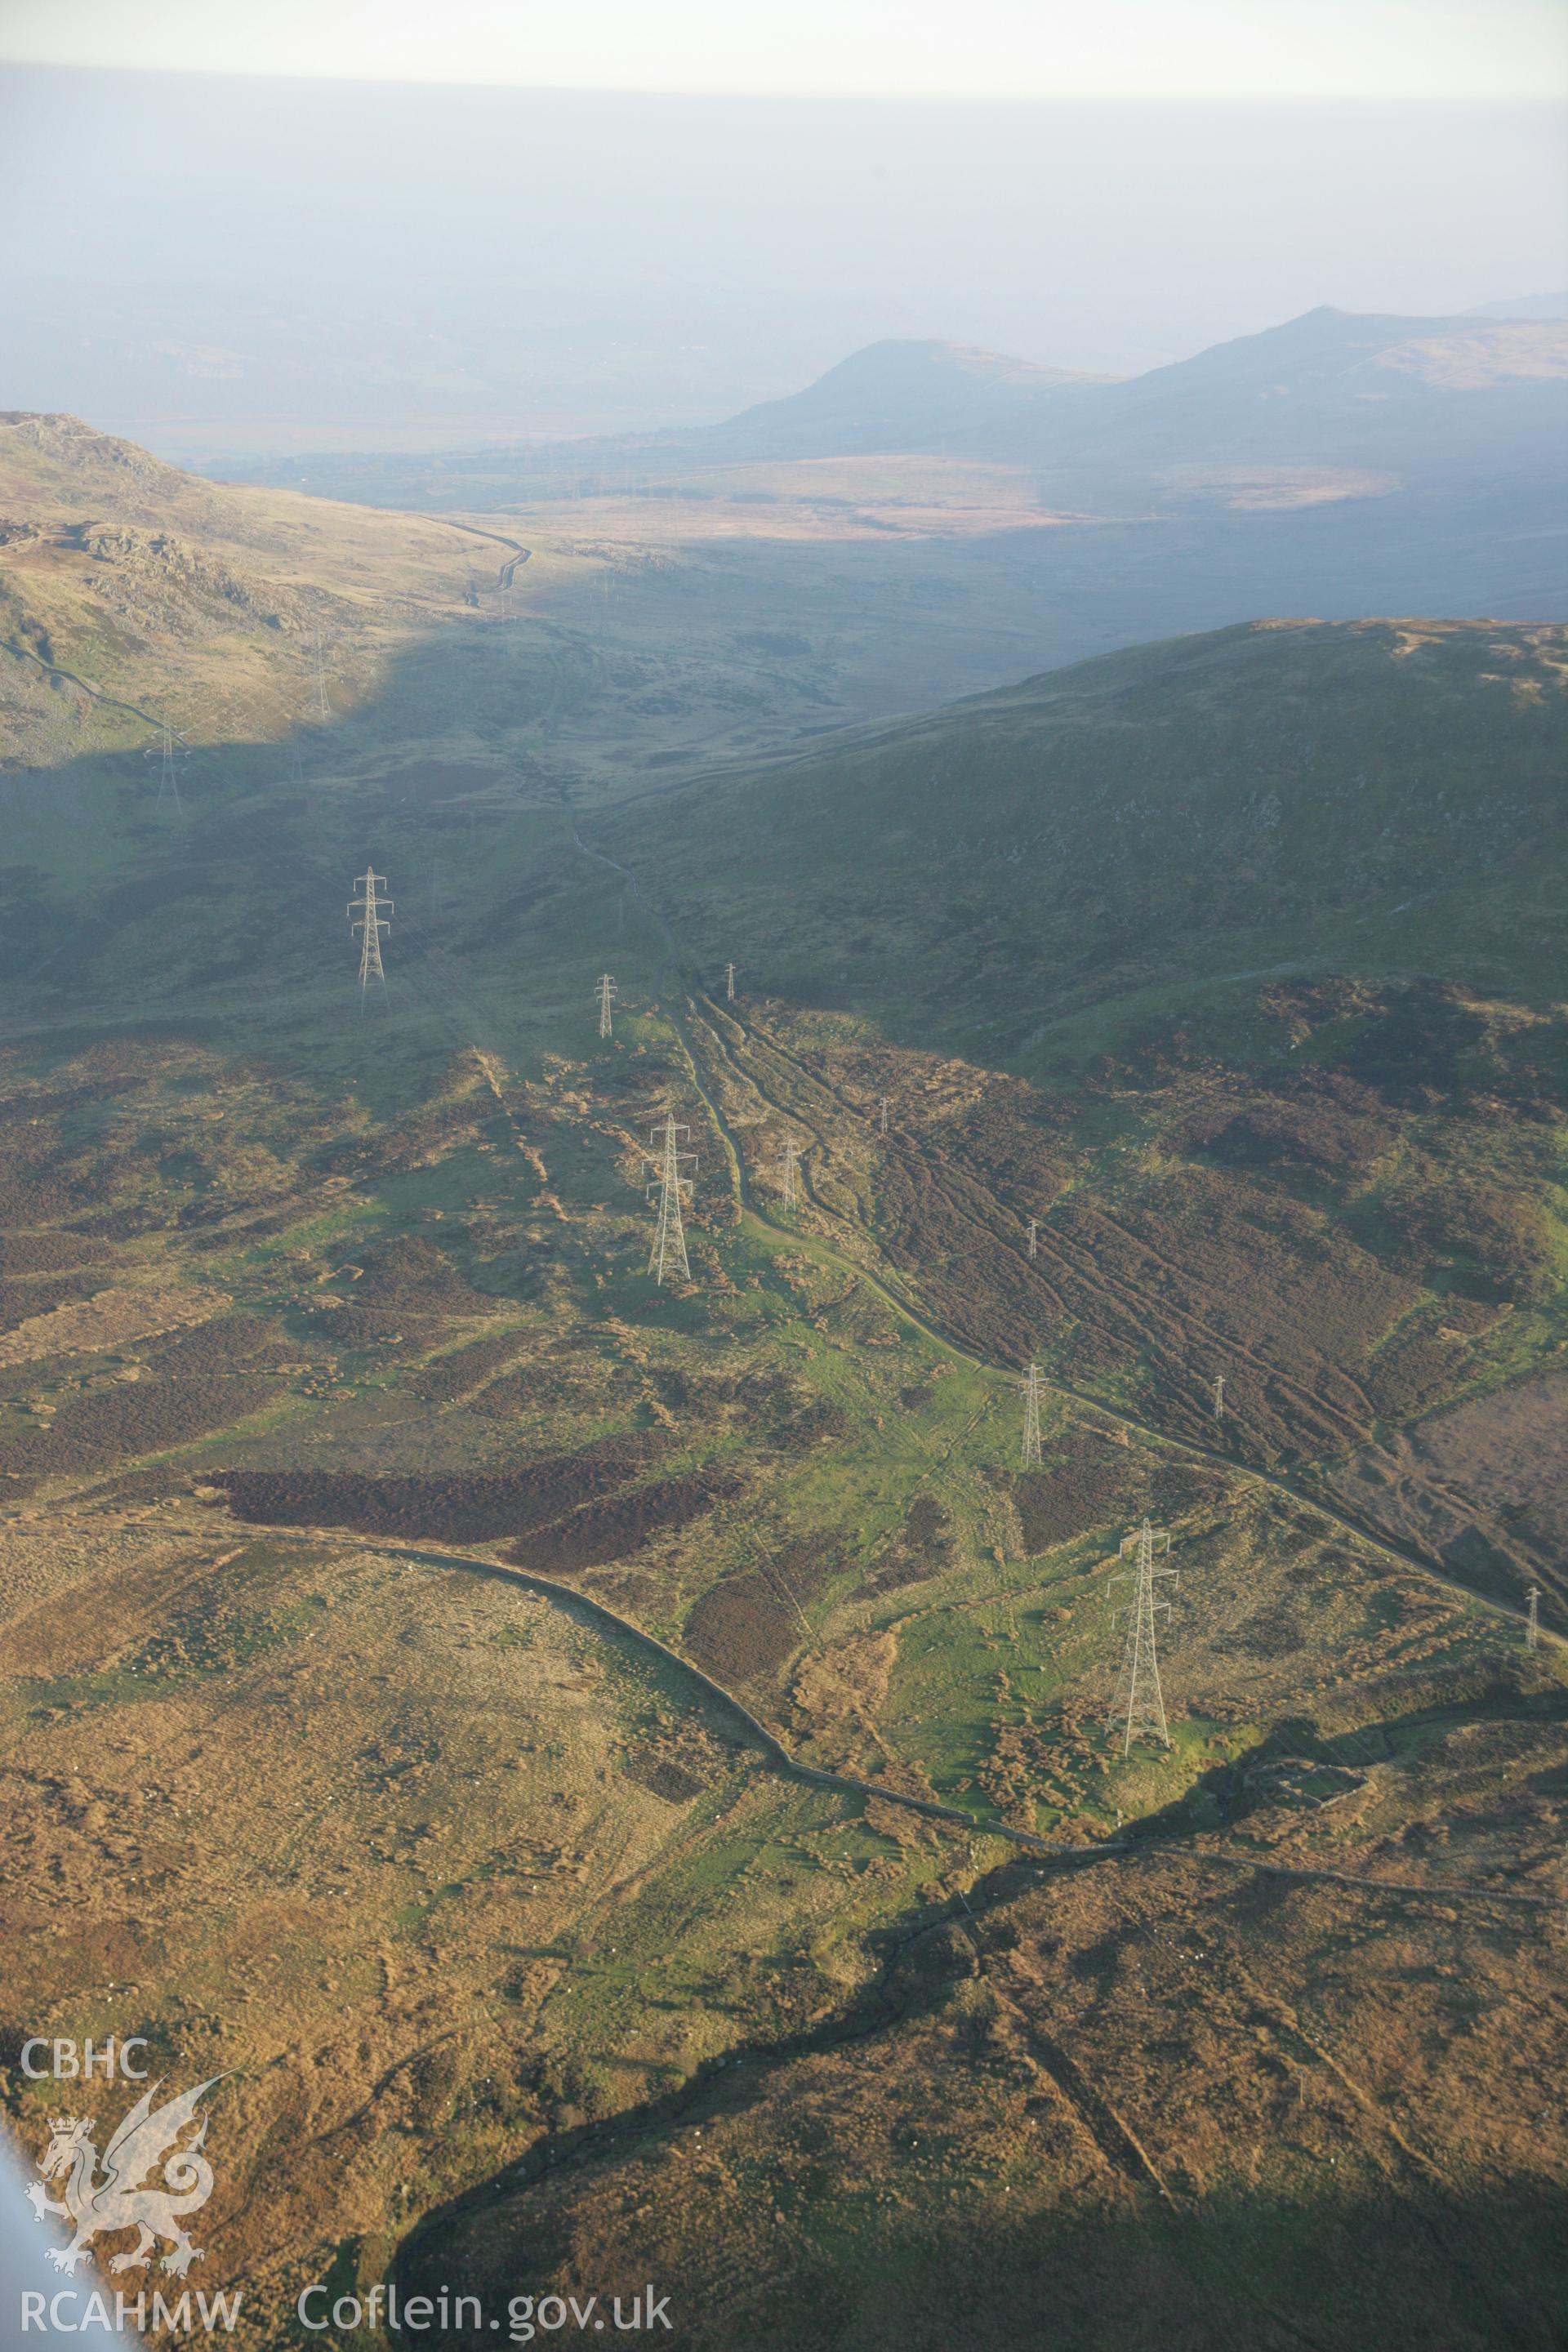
(1127, 837)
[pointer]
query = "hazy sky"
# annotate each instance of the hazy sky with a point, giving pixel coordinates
(956, 48)
(367, 223)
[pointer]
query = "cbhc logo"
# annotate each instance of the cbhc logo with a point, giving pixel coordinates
(70, 2061)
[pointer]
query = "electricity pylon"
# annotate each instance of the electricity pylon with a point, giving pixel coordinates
(1033, 1237)
(730, 983)
(296, 765)
(167, 777)
(323, 706)
(1533, 1622)
(168, 781)
(668, 1254)
(790, 1195)
(1219, 1397)
(884, 1114)
(365, 917)
(606, 992)
(1031, 1387)
(1138, 1705)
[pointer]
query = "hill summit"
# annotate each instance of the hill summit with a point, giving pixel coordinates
(893, 395)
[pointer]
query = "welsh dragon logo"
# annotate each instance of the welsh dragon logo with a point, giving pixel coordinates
(98, 2204)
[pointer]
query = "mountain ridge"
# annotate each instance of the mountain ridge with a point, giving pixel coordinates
(1301, 392)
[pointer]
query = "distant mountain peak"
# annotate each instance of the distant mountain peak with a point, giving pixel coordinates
(906, 360)
(898, 393)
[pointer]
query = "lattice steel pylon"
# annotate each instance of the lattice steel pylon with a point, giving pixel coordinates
(1033, 1237)
(1219, 1397)
(365, 917)
(730, 983)
(606, 992)
(168, 778)
(1138, 1705)
(1533, 1620)
(668, 1255)
(884, 1117)
(1031, 1388)
(789, 1193)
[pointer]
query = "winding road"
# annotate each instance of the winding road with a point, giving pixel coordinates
(756, 1734)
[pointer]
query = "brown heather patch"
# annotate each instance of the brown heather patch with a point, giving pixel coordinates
(1093, 1486)
(744, 1627)
(36, 1252)
(453, 1375)
(1323, 1120)
(410, 1276)
(20, 1301)
(923, 1549)
(478, 1509)
(598, 1533)
(742, 1630)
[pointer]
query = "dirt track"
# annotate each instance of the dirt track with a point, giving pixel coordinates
(603, 1619)
(596, 1613)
